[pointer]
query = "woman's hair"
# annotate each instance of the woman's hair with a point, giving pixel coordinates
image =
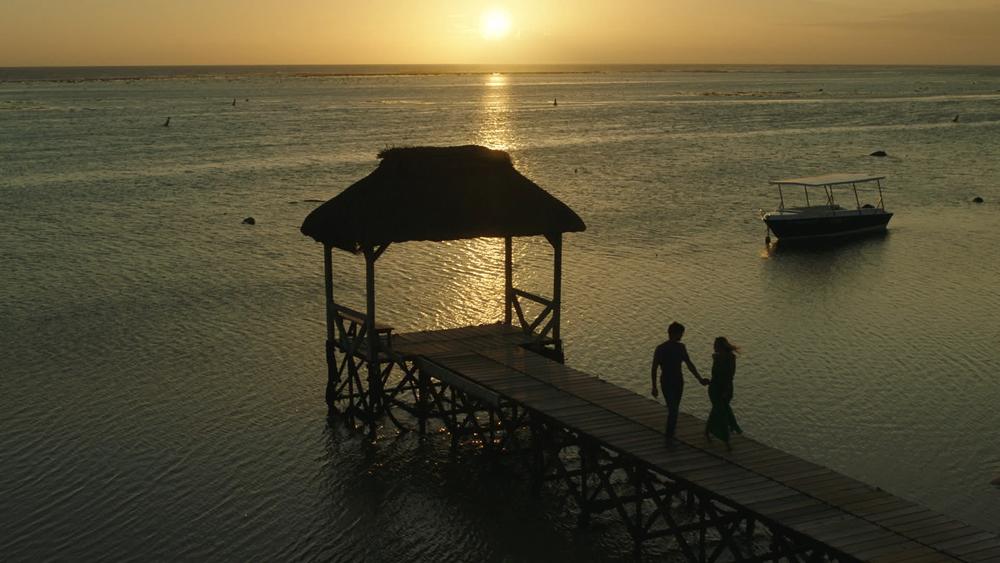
(725, 346)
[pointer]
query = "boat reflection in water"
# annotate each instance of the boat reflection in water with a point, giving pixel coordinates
(825, 247)
(827, 220)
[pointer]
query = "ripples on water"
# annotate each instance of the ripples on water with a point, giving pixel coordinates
(163, 364)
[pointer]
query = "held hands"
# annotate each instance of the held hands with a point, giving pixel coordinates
(704, 381)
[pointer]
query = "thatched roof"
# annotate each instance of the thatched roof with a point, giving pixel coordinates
(439, 193)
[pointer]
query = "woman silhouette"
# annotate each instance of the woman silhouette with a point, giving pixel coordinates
(721, 420)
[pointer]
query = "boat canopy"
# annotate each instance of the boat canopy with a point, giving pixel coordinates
(828, 180)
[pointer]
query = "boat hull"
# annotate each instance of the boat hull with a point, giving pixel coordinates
(792, 228)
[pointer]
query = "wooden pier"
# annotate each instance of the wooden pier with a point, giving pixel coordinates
(503, 386)
(606, 445)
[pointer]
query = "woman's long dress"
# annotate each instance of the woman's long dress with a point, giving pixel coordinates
(721, 420)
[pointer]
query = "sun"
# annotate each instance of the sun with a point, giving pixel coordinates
(495, 24)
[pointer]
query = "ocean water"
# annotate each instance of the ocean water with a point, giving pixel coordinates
(163, 366)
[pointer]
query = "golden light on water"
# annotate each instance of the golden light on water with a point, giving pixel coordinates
(479, 297)
(483, 265)
(496, 80)
(495, 24)
(494, 125)
(473, 291)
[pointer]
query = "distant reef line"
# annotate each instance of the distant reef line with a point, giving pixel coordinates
(76, 74)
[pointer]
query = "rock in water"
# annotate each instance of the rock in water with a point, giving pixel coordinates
(249, 221)
(977, 199)
(878, 153)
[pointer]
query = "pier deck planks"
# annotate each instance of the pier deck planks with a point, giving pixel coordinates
(778, 487)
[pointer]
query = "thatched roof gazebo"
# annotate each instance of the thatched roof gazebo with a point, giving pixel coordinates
(437, 194)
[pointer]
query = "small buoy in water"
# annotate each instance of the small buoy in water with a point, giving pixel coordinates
(234, 101)
(555, 102)
(878, 153)
(956, 119)
(249, 221)
(167, 122)
(977, 199)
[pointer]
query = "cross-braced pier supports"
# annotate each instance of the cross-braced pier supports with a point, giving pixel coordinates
(698, 525)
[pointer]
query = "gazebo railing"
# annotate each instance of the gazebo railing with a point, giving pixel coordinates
(544, 316)
(544, 327)
(352, 330)
(351, 391)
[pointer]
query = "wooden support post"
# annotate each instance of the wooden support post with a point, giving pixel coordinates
(332, 377)
(537, 458)
(374, 377)
(702, 532)
(637, 476)
(456, 426)
(583, 519)
(556, 241)
(423, 382)
(492, 434)
(508, 279)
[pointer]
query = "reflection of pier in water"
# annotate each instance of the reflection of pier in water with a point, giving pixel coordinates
(503, 387)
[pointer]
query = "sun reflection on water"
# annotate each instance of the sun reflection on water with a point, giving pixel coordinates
(495, 114)
(474, 295)
(496, 79)
(459, 283)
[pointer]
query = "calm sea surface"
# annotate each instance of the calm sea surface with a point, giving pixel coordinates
(162, 364)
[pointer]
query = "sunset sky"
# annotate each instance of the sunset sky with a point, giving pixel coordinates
(181, 32)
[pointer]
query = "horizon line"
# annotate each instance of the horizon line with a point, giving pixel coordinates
(647, 64)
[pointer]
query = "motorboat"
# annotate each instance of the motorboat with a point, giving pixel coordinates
(822, 217)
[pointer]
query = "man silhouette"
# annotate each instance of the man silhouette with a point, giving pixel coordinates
(668, 358)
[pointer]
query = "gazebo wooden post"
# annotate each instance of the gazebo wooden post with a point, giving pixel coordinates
(374, 375)
(508, 279)
(332, 377)
(556, 241)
